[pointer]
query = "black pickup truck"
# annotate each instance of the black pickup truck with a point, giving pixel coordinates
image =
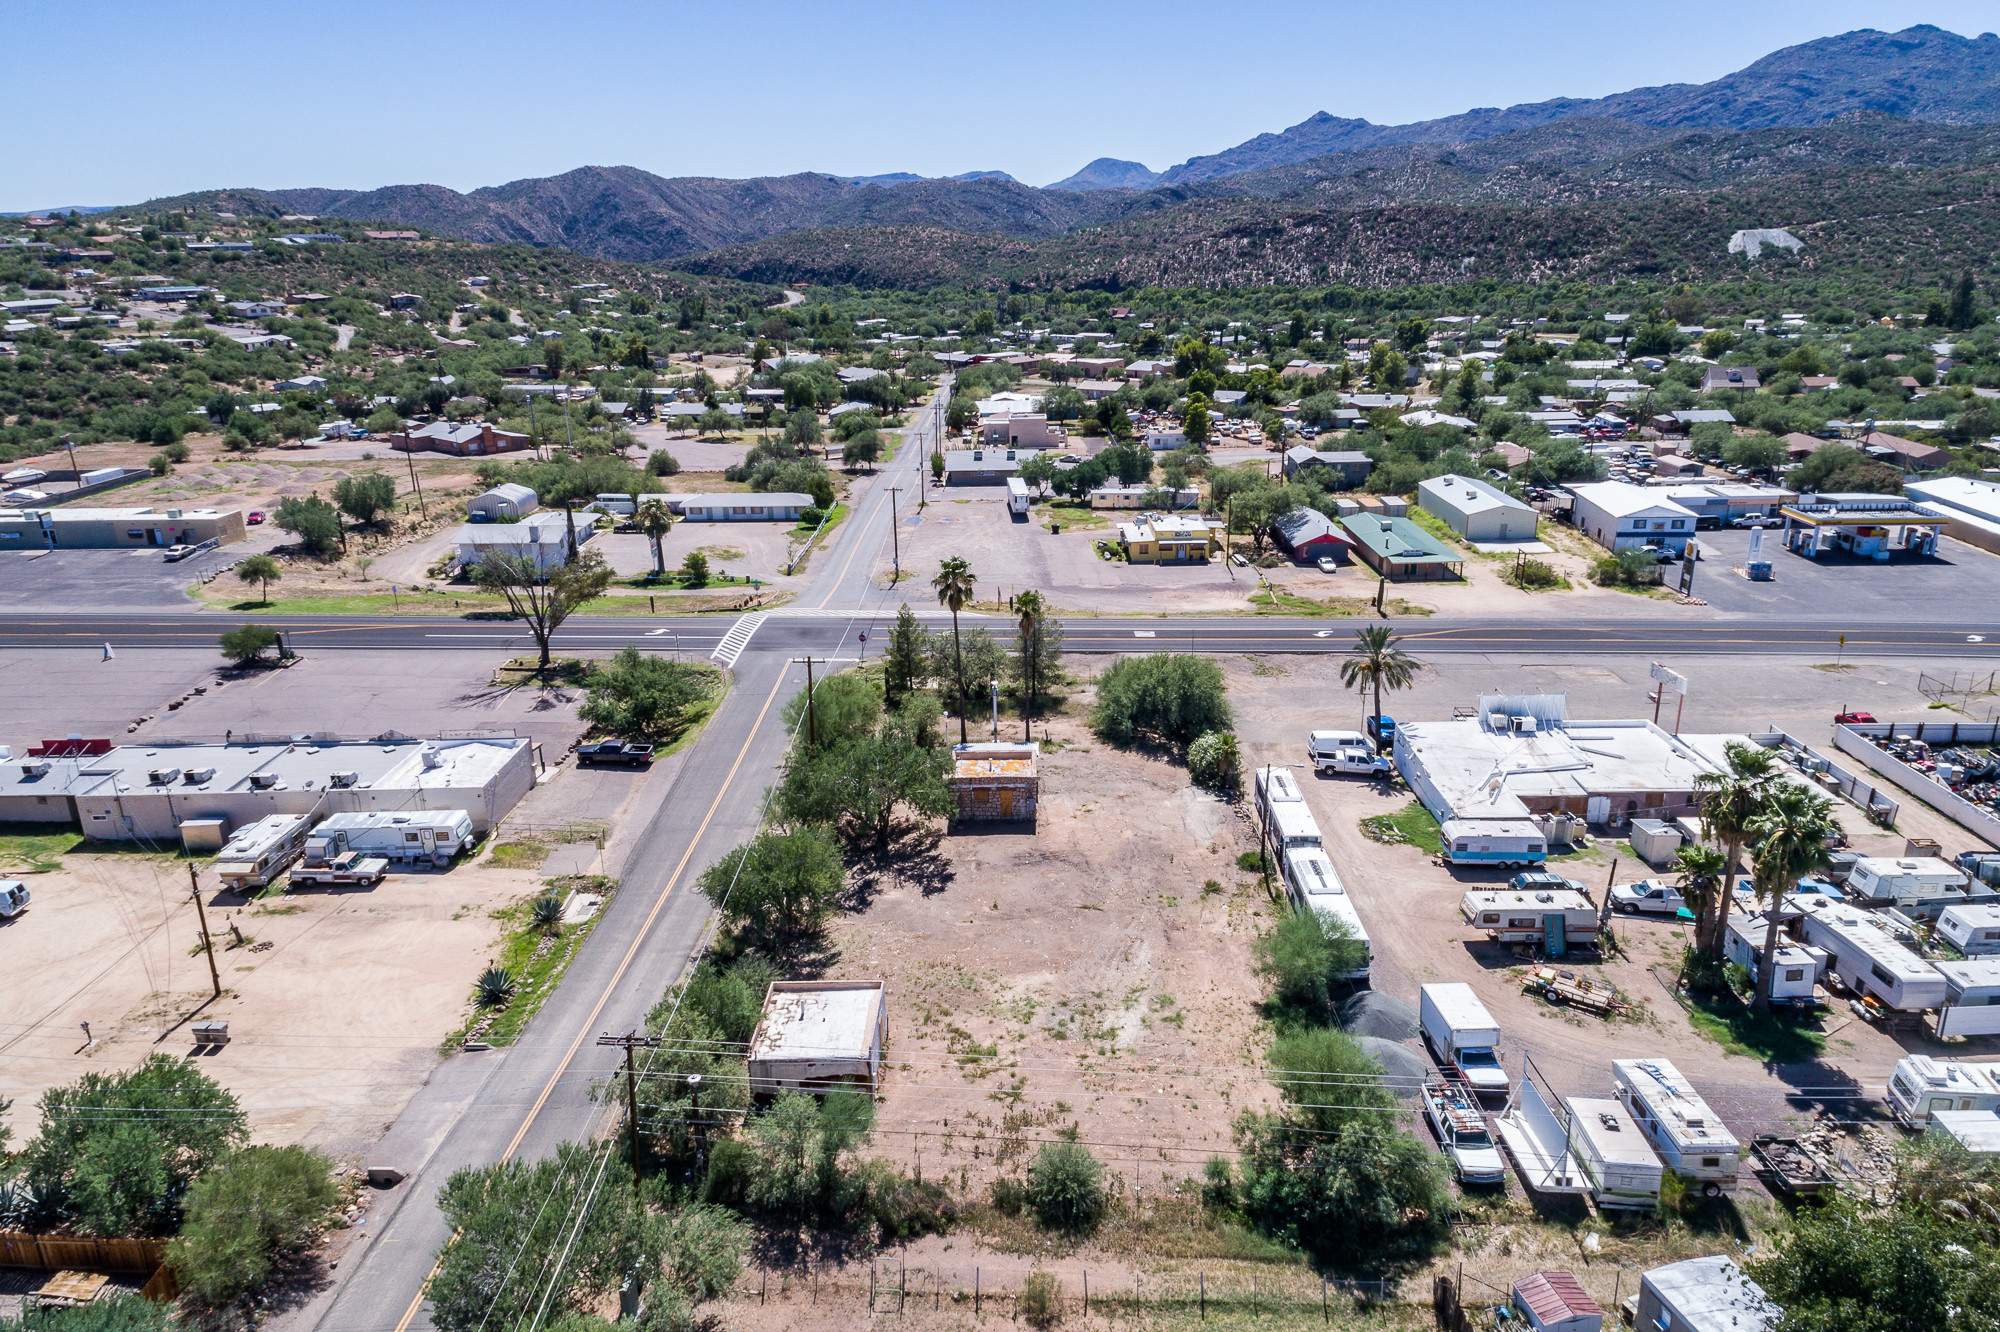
(614, 752)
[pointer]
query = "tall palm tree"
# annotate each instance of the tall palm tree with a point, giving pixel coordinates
(1701, 876)
(1376, 661)
(1790, 833)
(655, 520)
(1030, 605)
(953, 585)
(1729, 800)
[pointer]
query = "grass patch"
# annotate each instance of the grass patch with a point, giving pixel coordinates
(524, 854)
(1079, 516)
(465, 604)
(1752, 1035)
(1251, 862)
(536, 959)
(1412, 825)
(715, 553)
(38, 847)
(673, 580)
(833, 520)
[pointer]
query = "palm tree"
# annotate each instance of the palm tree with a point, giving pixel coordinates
(953, 585)
(1701, 876)
(1729, 800)
(1790, 833)
(1376, 660)
(655, 520)
(1029, 604)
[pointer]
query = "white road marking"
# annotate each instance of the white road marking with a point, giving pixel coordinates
(1144, 633)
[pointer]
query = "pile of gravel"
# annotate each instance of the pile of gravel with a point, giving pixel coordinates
(1406, 1068)
(1371, 1013)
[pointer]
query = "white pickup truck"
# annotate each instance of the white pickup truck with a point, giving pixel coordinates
(1462, 1133)
(1653, 897)
(1345, 751)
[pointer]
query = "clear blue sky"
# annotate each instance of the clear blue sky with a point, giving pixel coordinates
(148, 99)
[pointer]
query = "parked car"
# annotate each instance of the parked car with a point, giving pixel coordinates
(254, 517)
(1754, 520)
(1531, 881)
(14, 898)
(1328, 564)
(1652, 897)
(1854, 719)
(175, 554)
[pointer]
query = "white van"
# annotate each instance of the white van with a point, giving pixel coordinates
(1345, 751)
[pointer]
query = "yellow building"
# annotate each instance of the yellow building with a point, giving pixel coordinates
(1157, 538)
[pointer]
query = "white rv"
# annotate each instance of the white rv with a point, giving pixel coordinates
(1291, 825)
(1615, 1158)
(1867, 958)
(260, 851)
(1906, 880)
(1277, 786)
(1971, 1004)
(1511, 915)
(1314, 886)
(1799, 965)
(1017, 495)
(1921, 1086)
(1506, 843)
(1973, 929)
(1683, 1130)
(435, 835)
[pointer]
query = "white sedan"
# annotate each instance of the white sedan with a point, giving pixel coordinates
(1653, 897)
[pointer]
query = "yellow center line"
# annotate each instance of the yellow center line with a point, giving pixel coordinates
(638, 938)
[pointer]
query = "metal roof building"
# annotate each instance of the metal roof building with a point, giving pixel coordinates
(819, 1036)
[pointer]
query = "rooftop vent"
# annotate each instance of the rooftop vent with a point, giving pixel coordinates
(163, 776)
(39, 768)
(196, 776)
(263, 781)
(341, 780)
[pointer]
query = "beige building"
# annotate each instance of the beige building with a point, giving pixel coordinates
(101, 529)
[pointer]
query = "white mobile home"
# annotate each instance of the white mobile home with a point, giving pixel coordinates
(1314, 886)
(1977, 1131)
(1510, 915)
(1866, 958)
(1677, 1121)
(1973, 929)
(1613, 1154)
(435, 835)
(1921, 1086)
(1971, 1004)
(1507, 843)
(259, 852)
(1886, 881)
(1799, 965)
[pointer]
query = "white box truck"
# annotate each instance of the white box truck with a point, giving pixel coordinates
(1313, 886)
(1462, 1034)
(1677, 1121)
(1921, 1086)
(260, 851)
(435, 835)
(1621, 1168)
(1017, 495)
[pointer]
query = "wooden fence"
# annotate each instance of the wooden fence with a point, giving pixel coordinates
(76, 1253)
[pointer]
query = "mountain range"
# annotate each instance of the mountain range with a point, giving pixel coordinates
(1920, 100)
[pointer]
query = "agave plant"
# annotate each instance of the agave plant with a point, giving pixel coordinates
(21, 1206)
(547, 913)
(496, 987)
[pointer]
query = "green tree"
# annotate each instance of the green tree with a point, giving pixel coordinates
(1328, 1082)
(1905, 1268)
(1756, 452)
(253, 1209)
(865, 447)
(694, 569)
(1790, 831)
(542, 597)
(260, 569)
(1963, 314)
(248, 642)
(635, 694)
(798, 1144)
(838, 709)
(860, 781)
(1377, 661)
(937, 465)
(1303, 953)
(1357, 1191)
(953, 586)
(116, 1151)
(1729, 799)
(1038, 642)
(1701, 874)
(776, 891)
(552, 357)
(654, 520)
(904, 663)
(1168, 698)
(1194, 422)
(1066, 1187)
(312, 520)
(364, 498)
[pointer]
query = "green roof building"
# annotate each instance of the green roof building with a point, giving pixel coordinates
(1399, 550)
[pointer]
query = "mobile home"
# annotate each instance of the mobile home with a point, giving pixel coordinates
(1973, 929)
(1971, 1004)
(1314, 886)
(1683, 1130)
(1614, 1156)
(1899, 881)
(1277, 786)
(1510, 915)
(1507, 843)
(1866, 958)
(260, 851)
(1799, 965)
(1921, 1086)
(1977, 1131)
(435, 835)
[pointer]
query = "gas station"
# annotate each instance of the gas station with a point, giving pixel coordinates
(1866, 527)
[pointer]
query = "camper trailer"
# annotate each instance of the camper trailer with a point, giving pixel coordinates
(1291, 825)
(1921, 1086)
(1510, 915)
(1973, 929)
(435, 835)
(1277, 786)
(1799, 965)
(260, 851)
(1613, 1154)
(1903, 881)
(1971, 1004)
(1314, 886)
(1683, 1130)
(1506, 843)
(1866, 957)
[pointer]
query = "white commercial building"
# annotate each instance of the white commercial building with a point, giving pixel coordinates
(751, 506)
(1475, 510)
(541, 537)
(1971, 506)
(147, 793)
(1617, 515)
(819, 1036)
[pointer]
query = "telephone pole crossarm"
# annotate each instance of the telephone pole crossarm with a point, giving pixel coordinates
(630, 1042)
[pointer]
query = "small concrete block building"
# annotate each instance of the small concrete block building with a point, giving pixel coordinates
(994, 782)
(818, 1036)
(104, 529)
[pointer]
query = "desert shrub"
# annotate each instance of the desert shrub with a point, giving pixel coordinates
(1066, 1187)
(1535, 575)
(1302, 954)
(1213, 760)
(1041, 1300)
(635, 694)
(247, 1214)
(1635, 566)
(1171, 698)
(662, 463)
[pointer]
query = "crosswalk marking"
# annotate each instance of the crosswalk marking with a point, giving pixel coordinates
(739, 635)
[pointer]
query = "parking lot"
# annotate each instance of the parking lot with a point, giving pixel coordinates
(140, 578)
(1961, 576)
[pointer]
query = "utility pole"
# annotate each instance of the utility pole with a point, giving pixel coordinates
(812, 713)
(410, 456)
(630, 1042)
(75, 475)
(895, 541)
(207, 943)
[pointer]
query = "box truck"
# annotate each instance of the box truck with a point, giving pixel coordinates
(260, 851)
(1462, 1034)
(1313, 885)
(1683, 1130)
(1017, 495)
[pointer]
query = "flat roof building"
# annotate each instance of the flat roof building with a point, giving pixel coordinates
(994, 781)
(746, 506)
(542, 537)
(983, 466)
(818, 1036)
(1163, 538)
(1617, 515)
(1703, 1295)
(145, 793)
(1969, 505)
(1868, 527)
